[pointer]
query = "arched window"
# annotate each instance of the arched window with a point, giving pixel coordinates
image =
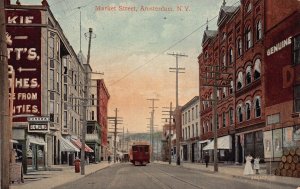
(217, 121)
(248, 37)
(239, 45)
(248, 75)
(248, 110)
(206, 55)
(218, 94)
(231, 56)
(258, 30)
(240, 113)
(224, 59)
(231, 114)
(224, 119)
(231, 87)
(257, 106)
(257, 71)
(240, 80)
(224, 92)
(248, 7)
(207, 127)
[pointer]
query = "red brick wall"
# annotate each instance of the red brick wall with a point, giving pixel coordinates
(278, 10)
(103, 98)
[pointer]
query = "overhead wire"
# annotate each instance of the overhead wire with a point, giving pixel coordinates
(165, 50)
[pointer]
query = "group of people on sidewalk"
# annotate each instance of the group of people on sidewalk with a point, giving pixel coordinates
(248, 169)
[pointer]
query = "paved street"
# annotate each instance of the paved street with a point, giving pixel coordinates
(155, 176)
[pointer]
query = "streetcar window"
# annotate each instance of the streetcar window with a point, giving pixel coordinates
(141, 149)
(134, 148)
(146, 149)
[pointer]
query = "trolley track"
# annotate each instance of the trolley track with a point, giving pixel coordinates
(159, 176)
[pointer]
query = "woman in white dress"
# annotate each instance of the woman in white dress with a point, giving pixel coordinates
(248, 167)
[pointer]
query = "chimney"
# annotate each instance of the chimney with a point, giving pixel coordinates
(45, 3)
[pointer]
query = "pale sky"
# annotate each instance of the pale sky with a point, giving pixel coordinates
(131, 49)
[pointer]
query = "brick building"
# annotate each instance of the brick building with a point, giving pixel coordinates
(237, 48)
(102, 106)
(282, 59)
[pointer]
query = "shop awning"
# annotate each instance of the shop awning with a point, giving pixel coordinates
(203, 141)
(224, 142)
(14, 141)
(36, 140)
(78, 144)
(67, 146)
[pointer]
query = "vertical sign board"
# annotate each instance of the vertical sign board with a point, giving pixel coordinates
(24, 55)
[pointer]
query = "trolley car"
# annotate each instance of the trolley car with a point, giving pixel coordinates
(140, 154)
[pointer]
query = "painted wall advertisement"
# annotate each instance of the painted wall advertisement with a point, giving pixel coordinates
(24, 57)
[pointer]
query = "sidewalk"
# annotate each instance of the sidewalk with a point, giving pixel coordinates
(236, 171)
(52, 179)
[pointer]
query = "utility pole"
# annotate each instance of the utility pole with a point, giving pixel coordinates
(215, 81)
(177, 70)
(170, 112)
(152, 125)
(5, 123)
(115, 121)
(85, 104)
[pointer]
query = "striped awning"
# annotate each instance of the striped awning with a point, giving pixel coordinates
(78, 144)
(67, 146)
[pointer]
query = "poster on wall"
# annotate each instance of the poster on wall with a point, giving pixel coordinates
(268, 144)
(288, 137)
(277, 142)
(296, 133)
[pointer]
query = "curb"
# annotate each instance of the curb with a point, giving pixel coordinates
(266, 181)
(83, 176)
(235, 176)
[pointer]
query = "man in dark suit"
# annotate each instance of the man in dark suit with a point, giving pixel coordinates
(206, 159)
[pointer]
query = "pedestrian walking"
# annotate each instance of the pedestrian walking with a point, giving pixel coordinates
(206, 159)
